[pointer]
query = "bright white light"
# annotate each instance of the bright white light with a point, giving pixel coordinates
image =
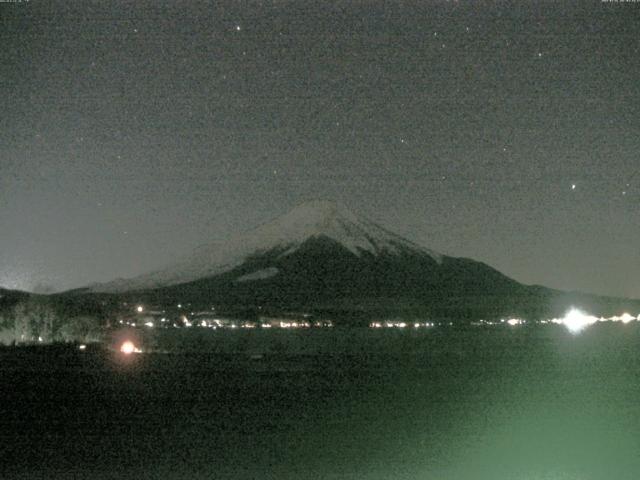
(128, 348)
(576, 321)
(82, 347)
(626, 318)
(514, 321)
(140, 309)
(149, 324)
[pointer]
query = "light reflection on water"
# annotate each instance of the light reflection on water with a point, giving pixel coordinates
(569, 413)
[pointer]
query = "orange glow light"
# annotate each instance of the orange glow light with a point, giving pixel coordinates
(128, 348)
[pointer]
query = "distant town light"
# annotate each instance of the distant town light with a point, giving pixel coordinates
(82, 347)
(626, 318)
(139, 309)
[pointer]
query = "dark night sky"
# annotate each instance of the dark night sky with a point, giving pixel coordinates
(133, 131)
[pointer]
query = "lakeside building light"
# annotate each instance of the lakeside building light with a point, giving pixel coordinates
(576, 321)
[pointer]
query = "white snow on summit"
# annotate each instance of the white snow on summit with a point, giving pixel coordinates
(310, 220)
(328, 219)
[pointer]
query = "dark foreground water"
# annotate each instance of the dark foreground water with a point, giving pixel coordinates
(520, 403)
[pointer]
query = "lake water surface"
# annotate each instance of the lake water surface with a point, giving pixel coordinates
(501, 403)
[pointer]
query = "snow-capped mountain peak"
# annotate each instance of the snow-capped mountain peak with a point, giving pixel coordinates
(328, 219)
(313, 219)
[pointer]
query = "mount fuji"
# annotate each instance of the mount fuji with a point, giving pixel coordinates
(321, 224)
(320, 256)
(319, 253)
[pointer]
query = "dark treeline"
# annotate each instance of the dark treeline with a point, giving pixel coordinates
(29, 318)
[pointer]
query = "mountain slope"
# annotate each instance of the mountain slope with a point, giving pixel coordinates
(8, 298)
(321, 271)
